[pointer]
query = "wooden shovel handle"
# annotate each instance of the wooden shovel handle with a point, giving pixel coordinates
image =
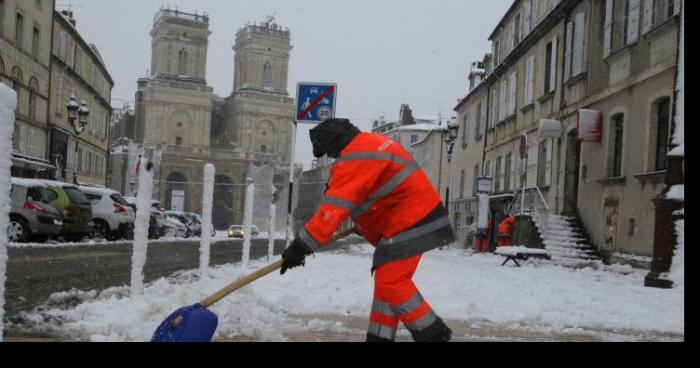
(256, 275)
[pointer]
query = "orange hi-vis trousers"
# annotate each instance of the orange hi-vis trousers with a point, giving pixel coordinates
(397, 298)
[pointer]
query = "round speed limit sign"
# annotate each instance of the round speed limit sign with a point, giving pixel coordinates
(324, 113)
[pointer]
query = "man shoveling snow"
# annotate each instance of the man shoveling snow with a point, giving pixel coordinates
(395, 207)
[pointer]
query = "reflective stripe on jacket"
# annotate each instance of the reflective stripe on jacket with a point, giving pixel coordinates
(390, 199)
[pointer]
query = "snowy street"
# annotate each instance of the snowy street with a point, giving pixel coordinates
(329, 300)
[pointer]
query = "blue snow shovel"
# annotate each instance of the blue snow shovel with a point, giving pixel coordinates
(197, 324)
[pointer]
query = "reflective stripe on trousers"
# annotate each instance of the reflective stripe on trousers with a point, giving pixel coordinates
(396, 298)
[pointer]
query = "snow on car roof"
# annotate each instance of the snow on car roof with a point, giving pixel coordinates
(41, 183)
(97, 190)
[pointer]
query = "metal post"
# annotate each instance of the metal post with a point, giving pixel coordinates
(522, 204)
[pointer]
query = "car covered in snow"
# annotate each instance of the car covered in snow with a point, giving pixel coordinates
(32, 218)
(112, 215)
(178, 223)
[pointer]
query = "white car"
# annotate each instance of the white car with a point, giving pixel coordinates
(112, 215)
(175, 227)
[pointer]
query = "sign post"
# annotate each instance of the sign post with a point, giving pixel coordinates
(523, 156)
(315, 103)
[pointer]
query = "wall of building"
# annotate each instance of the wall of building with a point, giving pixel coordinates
(24, 66)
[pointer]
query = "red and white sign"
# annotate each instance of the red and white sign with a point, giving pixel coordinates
(590, 125)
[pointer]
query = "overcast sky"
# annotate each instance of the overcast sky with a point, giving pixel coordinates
(381, 53)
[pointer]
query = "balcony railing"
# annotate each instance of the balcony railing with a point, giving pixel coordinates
(534, 205)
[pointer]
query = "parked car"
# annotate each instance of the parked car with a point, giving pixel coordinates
(237, 231)
(112, 215)
(157, 224)
(32, 218)
(74, 208)
(179, 224)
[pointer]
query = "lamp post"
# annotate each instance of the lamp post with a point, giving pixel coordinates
(452, 131)
(77, 113)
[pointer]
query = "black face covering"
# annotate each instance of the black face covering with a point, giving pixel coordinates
(332, 136)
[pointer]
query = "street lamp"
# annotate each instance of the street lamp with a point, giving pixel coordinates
(77, 113)
(72, 108)
(452, 131)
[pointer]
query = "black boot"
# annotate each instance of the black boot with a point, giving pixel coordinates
(373, 338)
(437, 332)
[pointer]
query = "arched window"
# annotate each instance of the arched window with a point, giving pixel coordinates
(267, 76)
(182, 63)
(16, 82)
(660, 133)
(33, 90)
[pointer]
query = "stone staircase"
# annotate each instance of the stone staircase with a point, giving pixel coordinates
(566, 238)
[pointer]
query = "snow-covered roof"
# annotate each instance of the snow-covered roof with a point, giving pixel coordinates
(423, 127)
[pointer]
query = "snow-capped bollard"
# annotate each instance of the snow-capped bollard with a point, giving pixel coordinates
(271, 229)
(248, 220)
(207, 202)
(8, 103)
(143, 216)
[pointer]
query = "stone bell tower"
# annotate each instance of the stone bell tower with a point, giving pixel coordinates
(260, 110)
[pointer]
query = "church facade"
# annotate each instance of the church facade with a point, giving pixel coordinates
(178, 114)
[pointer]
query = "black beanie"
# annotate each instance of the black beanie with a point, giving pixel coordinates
(332, 136)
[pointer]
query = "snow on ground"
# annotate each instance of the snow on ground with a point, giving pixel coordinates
(459, 285)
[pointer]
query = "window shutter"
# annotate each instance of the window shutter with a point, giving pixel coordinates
(607, 42)
(504, 95)
(513, 92)
(553, 61)
(62, 45)
(483, 117)
(548, 166)
(532, 163)
(59, 96)
(579, 35)
(531, 91)
(527, 16)
(535, 13)
(648, 17)
(568, 50)
(677, 7)
(633, 22)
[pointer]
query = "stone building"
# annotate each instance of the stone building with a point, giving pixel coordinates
(77, 70)
(178, 114)
(468, 153)
(570, 63)
(25, 57)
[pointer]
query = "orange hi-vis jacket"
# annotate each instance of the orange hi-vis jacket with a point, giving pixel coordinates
(390, 199)
(506, 226)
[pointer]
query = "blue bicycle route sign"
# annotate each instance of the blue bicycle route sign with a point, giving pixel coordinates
(315, 102)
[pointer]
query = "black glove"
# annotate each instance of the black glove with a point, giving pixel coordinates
(295, 255)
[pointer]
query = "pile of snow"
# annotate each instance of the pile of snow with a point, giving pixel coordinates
(207, 201)
(459, 285)
(676, 192)
(8, 103)
(677, 272)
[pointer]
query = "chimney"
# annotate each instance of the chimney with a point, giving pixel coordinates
(69, 14)
(405, 115)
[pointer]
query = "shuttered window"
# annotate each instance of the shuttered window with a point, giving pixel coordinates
(530, 80)
(513, 92)
(607, 38)
(632, 9)
(579, 65)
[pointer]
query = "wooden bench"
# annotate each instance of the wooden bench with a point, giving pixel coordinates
(522, 253)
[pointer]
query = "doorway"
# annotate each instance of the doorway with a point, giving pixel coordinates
(571, 173)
